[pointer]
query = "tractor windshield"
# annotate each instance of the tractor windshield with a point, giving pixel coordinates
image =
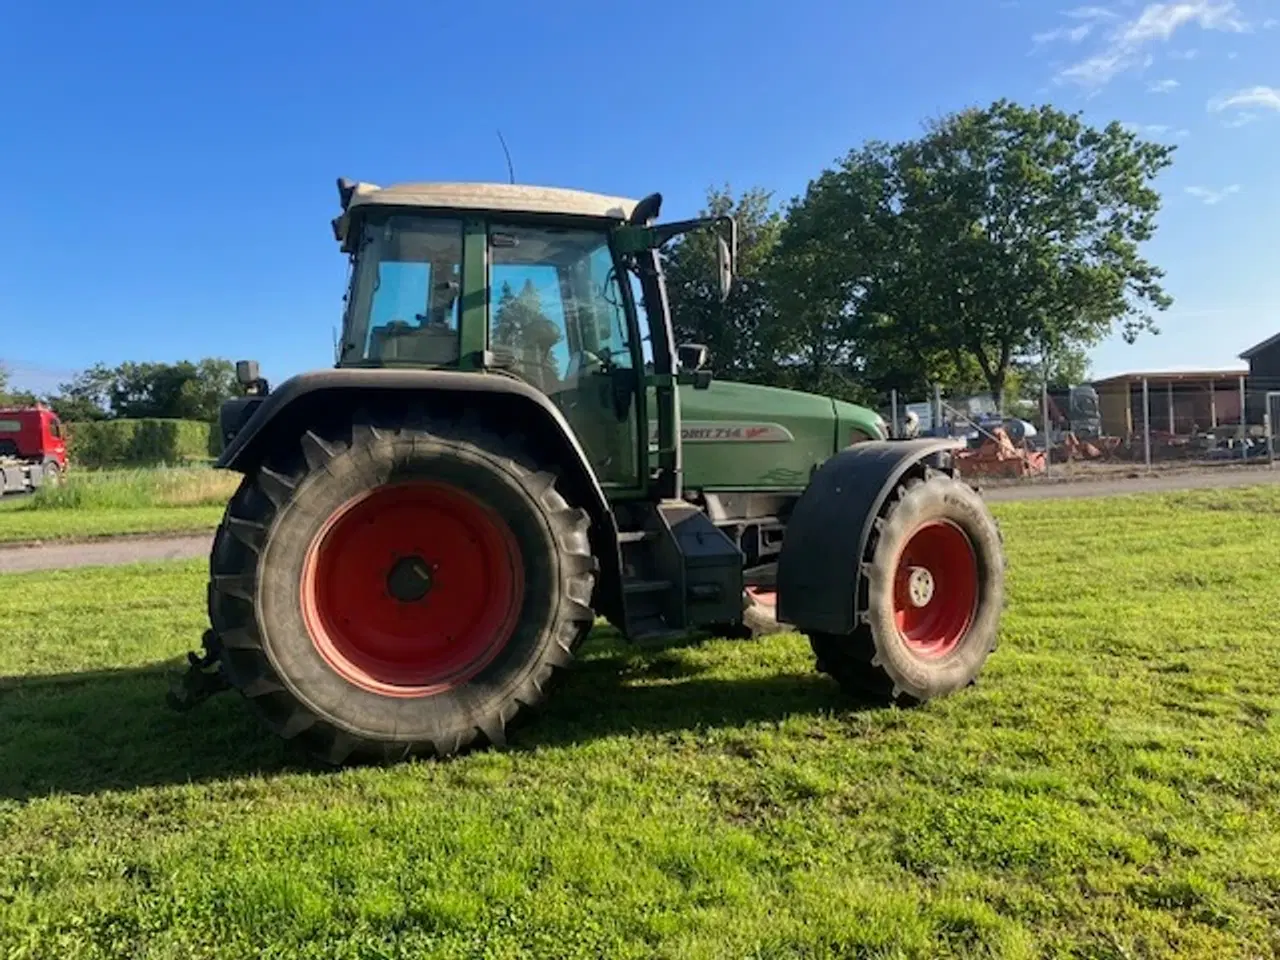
(403, 301)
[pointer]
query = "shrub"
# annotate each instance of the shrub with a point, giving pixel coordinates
(152, 442)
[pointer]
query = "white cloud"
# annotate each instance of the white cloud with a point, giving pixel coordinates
(1157, 130)
(1270, 23)
(1259, 97)
(1210, 197)
(1159, 21)
(1184, 54)
(1126, 45)
(1069, 34)
(1092, 13)
(1148, 129)
(1162, 86)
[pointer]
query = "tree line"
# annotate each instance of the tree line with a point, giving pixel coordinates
(185, 390)
(996, 248)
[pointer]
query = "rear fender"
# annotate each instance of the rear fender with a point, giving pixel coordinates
(508, 404)
(819, 568)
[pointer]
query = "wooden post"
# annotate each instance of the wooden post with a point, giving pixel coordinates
(1244, 453)
(1173, 426)
(1146, 423)
(1213, 407)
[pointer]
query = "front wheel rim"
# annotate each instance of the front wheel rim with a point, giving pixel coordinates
(412, 589)
(935, 589)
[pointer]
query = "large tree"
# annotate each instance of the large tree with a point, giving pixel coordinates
(739, 332)
(838, 278)
(1000, 236)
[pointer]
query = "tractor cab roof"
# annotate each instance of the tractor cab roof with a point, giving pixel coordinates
(504, 197)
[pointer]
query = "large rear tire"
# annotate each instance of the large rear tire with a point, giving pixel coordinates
(934, 575)
(387, 593)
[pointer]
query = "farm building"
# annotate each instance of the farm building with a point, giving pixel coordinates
(1264, 376)
(1180, 402)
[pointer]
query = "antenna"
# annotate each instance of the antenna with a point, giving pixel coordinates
(511, 174)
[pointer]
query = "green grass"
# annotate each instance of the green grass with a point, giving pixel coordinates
(106, 502)
(1109, 789)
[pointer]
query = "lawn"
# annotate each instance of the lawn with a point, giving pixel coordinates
(1108, 790)
(107, 502)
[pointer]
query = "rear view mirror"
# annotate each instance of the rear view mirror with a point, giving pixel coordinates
(724, 267)
(693, 359)
(692, 356)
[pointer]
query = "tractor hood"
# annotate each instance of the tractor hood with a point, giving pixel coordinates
(748, 437)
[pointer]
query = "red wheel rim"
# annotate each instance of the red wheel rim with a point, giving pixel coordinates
(412, 589)
(935, 591)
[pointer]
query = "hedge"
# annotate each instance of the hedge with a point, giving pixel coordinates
(140, 443)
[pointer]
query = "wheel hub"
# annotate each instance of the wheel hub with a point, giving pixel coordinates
(920, 585)
(409, 579)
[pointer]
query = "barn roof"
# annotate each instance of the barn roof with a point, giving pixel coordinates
(1169, 376)
(1257, 348)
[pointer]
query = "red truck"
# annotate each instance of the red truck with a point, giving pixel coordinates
(33, 448)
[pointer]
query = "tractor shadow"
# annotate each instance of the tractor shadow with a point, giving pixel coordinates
(106, 730)
(84, 733)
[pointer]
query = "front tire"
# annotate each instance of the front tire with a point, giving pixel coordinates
(934, 573)
(51, 473)
(399, 592)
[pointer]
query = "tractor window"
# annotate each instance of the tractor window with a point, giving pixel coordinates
(527, 321)
(556, 308)
(558, 319)
(404, 301)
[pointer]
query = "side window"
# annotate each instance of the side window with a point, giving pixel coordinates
(527, 317)
(601, 303)
(55, 428)
(408, 288)
(400, 294)
(556, 310)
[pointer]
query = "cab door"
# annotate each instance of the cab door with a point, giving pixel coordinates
(558, 319)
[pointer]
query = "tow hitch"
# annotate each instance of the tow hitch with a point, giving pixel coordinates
(202, 678)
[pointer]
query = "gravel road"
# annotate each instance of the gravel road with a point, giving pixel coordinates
(121, 550)
(107, 551)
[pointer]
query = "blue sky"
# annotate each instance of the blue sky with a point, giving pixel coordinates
(169, 168)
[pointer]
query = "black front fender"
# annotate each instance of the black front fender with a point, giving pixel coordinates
(819, 567)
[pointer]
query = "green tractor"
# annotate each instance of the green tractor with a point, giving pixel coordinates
(511, 444)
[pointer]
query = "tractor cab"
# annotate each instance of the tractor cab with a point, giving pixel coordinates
(558, 288)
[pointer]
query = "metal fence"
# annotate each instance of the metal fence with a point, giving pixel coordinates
(1064, 433)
